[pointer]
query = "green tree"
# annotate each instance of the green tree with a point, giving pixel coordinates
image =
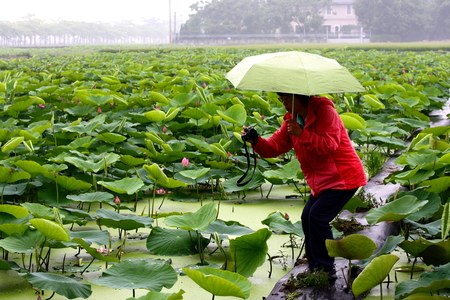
(396, 20)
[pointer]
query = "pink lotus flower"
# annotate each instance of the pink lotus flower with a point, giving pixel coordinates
(42, 105)
(164, 129)
(229, 153)
(185, 162)
(286, 216)
(197, 103)
(117, 200)
(204, 84)
(262, 117)
(99, 110)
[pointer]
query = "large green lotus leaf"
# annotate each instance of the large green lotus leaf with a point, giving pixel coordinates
(93, 251)
(110, 80)
(173, 184)
(111, 137)
(429, 282)
(164, 241)
(220, 282)
(97, 100)
(16, 211)
(219, 150)
(123, 186)
(429, 210)
(51, 230)
(437, 131)
(287, 226)
(389, 245)
(92, 197)
(236, 114)
(194, 113)
(29, 242)
(373, 102)
(354, 246)
(12, 144)
(155, 115)
(171, 114)
(354, 203)
(154, 138)
(72, 184)
(374, 273)
(39, 210)
(87, 127)
(15, 189)
(414, 122)
(80, 110)
(415, 247)
(391, 141)
(131, 160)
(288, 171)
(231, 184)
(437, 253)
(32, 167)
(353, 121)
(11, 228)
(113, 219)
(195, 174)
(61, 285)
(138, 274)
(92, 236)
(160, 296)
(201, 145)
(437, 185)
(396, 210)
(156, 174)
(9, 175)
(229, 227)
(159, 98)
(250, 251)
(196, 221)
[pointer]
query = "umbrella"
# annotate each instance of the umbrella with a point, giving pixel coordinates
(293, 72)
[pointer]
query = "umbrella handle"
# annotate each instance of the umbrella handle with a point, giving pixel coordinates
(239, 182)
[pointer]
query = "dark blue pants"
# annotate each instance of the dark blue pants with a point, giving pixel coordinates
(316, 217)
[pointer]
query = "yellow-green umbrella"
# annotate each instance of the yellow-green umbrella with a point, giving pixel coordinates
(293, 72)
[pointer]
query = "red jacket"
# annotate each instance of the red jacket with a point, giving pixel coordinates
(327, 157)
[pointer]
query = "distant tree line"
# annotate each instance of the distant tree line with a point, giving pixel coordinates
(31, 31)
(389, 20)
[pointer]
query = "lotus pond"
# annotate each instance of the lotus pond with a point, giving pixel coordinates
(139, 152)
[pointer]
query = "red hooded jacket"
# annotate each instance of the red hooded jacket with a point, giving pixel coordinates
(327, 157)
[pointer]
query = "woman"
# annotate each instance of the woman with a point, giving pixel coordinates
(331, 167)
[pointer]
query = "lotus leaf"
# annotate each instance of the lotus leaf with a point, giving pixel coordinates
(429, 282)
(250, 251)
(51, 230)
(374, 273)
(196, 221)
(354, 246)
(126, 222)
(396, 210)
(436, 185)
(16, 211)
(288, 171)
(71, 184)
(11, 228)
(151, 276)
(227, 227)
(92, 197)
(195, 174)
(162, 241)
(62, 285)
(111, 137)
(123, 186)
(220, 282)
(93, 251)
(29, 242)
(236, 114)
(160, 296)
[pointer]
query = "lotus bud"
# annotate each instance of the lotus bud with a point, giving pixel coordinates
(185, 162)
(99, 110)
(164, 129)
(117, 200)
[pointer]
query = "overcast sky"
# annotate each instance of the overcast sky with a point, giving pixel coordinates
(94, 10)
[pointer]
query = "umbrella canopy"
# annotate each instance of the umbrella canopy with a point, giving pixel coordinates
(293, 72)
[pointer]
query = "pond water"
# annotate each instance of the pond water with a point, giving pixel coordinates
(250, 212)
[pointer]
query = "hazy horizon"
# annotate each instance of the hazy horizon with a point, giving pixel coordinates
(95, 10)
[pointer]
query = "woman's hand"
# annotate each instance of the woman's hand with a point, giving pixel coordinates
(294, 128)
